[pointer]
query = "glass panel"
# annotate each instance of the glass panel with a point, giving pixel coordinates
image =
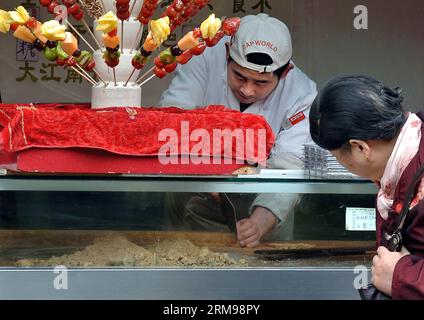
(183, 230)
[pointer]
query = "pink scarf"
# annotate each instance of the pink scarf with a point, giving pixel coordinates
(405, 149)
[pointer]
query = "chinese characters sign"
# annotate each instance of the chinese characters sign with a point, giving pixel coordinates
(241, 6)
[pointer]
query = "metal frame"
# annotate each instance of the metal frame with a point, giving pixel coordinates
(183, 184)
(181, 284)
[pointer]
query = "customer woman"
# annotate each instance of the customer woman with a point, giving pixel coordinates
(363, 124)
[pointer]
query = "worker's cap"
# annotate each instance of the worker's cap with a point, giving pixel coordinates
(261, 34)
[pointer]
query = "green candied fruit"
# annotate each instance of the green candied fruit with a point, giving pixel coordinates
(50, 54)
(62, 54)
(167, 57)
(84, 58)
(111, 55)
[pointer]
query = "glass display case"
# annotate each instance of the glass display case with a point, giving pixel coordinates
(107, 236)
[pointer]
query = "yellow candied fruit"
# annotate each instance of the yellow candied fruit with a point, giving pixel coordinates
(53, 30)
(5, 21)
(210, 27)
(160, 30)
(107, 23)
(20, 16)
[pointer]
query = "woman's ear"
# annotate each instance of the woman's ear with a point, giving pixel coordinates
(362, 147)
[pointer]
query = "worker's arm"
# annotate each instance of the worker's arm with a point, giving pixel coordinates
(271, 211)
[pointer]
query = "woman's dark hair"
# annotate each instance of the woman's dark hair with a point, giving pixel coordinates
(263, 59)
(355, 107)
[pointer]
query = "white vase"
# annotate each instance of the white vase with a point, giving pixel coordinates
(116, 94)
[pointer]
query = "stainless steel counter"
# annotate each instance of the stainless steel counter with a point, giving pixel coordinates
(187, 284)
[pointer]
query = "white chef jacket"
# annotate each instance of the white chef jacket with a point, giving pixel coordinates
(203, 81)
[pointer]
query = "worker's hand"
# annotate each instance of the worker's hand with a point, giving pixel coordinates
(250, 231)
(215, 197)
(383, 266)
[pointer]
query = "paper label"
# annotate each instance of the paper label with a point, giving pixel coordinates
(360, 219)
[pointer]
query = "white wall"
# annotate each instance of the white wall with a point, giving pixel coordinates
(325, 44)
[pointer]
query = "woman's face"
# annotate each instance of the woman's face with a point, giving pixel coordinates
(250, 86)
(356, 162)
(367, 159)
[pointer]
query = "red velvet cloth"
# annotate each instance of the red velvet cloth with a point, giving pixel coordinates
(94, 161)
(127, 131)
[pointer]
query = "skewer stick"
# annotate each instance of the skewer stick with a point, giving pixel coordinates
(85, 72)
(140, 45)
(147, 80)
(140, 30)
(91, 33)
(122, 36)
(132, 8)
(114, 76)
(100, 77)
(83, 75)
(129, 77)
(145, 75)
(79, 34)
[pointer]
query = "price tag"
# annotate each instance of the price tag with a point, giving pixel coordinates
(360, 219)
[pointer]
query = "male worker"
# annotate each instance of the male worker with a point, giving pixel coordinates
(251, 72)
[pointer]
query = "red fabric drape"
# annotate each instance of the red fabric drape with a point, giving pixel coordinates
(127, 131)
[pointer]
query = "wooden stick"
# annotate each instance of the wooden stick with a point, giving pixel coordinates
(83, 75)
(132, 8)
(114, 76)
(147, 80)
(79, 34)
(100, 77)
(122, 36)
(91, 33)
(141, 45)
(144, 75)
(140, 30)
(129, 77)
(85, 72)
